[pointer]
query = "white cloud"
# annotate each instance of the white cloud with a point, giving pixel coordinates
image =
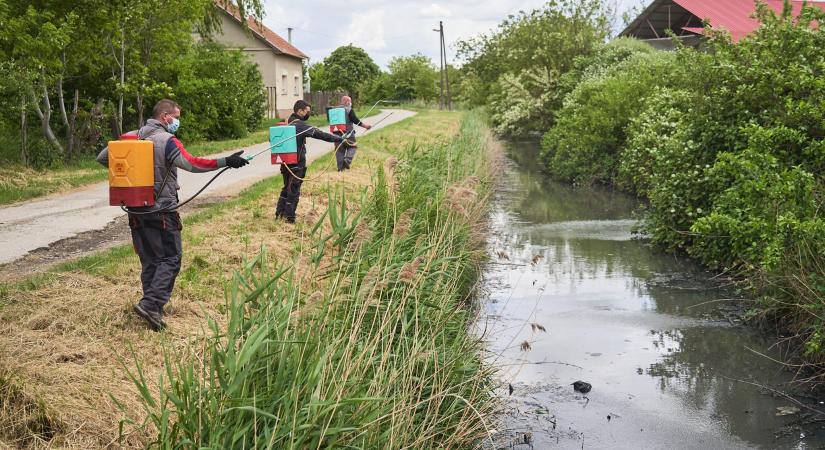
(386, 29)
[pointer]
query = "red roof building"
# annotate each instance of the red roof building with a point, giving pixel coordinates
(686, 17)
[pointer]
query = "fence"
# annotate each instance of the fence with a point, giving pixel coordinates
(319, 101)
(271, 102)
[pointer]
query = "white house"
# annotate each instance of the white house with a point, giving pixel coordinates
(280, 63)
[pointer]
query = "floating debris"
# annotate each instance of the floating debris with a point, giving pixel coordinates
(535, 259)
(538, 327)
(786, 410)
(510, 386)
(582, 386)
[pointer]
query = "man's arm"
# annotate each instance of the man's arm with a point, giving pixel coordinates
(183, 160)
(312, 132)
(354, 119)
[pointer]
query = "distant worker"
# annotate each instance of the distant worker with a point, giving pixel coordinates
(156, 229)
(294, 174)
(346, 153)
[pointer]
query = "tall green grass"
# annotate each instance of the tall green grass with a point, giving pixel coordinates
(381, 358)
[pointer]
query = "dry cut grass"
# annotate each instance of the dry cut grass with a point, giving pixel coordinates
(66, 337)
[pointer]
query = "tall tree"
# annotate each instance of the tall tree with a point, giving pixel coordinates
(348, 67)
(413, 77)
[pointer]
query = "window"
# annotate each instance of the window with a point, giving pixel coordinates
(295, 90)
(283, 84)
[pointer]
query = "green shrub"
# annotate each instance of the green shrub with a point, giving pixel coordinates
(585, 144)
(220, 92)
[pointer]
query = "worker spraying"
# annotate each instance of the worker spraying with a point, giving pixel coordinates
(153, 217)
(294, 174)
(346, 152)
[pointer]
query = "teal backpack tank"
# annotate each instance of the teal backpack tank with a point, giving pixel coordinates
(283, 144)
(337, 116)
(279, 139)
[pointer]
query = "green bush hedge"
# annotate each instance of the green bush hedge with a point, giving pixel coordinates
(220, 92)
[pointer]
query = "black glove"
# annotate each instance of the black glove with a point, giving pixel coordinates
(235, 160)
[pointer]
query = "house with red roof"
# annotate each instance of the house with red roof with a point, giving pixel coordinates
(281, 63)
(686, 19)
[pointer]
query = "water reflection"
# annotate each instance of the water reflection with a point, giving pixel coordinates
(646, 328)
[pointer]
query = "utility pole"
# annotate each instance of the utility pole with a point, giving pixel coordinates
(440, 31)
(446, 75)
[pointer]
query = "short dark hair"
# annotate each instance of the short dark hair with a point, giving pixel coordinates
(164, 106)
(299, 105)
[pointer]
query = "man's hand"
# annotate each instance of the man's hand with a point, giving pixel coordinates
(367, 126)
(235, 160)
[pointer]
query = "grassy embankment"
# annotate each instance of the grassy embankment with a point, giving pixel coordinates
(348, 329)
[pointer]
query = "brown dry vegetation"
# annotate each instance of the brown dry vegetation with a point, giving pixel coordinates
(66, 336)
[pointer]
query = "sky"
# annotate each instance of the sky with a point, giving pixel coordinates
(388, 28)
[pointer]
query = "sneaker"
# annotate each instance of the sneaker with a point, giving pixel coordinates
(154, 319)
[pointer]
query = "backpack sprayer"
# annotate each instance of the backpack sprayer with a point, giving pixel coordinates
(131, 172)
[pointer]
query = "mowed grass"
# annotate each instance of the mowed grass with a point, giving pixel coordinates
(66, 336)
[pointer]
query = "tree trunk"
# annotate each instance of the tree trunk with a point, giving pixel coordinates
(71, 129)
(122, 81)
(62, 103)
(139, 101)
(24, 145)
(45, 115)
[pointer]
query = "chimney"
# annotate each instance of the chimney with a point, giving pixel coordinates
(289, 35)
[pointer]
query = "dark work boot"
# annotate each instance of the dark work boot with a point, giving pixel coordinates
(155, 320)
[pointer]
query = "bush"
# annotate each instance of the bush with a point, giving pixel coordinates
(585, 144)
(220, 92)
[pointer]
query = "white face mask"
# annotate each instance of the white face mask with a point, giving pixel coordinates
(173, 127)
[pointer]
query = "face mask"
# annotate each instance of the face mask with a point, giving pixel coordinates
(304, 117)
(348, 108)
(173, 127)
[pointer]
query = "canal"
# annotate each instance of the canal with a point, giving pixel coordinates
(575, 296)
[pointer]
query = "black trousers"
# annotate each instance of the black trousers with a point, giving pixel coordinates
(157, 241)
(291, 192)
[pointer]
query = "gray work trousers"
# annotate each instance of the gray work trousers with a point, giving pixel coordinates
(345, 154)
(157, 241)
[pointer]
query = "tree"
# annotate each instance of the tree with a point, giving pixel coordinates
(413, 77)
(347, 68)
(317, 77)
(519, 65)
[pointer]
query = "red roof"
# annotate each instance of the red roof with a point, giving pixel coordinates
(272, 39)
(735, 16)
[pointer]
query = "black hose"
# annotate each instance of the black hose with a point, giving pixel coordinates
(179, 205)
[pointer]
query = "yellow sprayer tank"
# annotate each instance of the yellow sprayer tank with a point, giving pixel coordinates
(131, 172)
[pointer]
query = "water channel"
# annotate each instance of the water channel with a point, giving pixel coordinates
(669, 364)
